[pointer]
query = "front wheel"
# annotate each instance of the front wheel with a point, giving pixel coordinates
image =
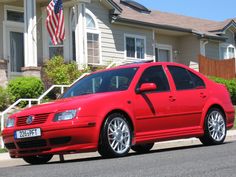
(215, 128)
(39, 159)
(115, 138)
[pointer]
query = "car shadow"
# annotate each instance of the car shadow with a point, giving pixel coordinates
(131, 154)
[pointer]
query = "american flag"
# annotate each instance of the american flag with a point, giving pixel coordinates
(55, 21)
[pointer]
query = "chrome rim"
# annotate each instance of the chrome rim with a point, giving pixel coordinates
(216, 126)
(119, 135)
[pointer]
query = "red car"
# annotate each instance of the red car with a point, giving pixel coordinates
(123, 108)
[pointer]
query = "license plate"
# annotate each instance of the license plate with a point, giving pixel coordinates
(35, 132)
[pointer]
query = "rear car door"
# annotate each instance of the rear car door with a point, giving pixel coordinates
(189, 97)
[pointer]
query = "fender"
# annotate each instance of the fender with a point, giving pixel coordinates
(210, 102)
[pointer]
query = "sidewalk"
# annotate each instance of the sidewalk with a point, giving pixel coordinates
(231, 136)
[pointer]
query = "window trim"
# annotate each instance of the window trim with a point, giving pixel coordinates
(188, 72)
(156, 91)
(165, 47)
(15, 9)
(93, 31)
(135, 37)
(227, 46)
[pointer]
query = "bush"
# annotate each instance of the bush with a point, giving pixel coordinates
(55, 71)
(4, 99)
(230, 84)
(25, 87)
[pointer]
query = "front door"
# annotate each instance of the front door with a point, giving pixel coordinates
(152, 108)
(16, 50)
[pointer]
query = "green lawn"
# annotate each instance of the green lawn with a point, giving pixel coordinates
(3, 150)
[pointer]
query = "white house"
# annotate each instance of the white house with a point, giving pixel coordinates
(102, 31)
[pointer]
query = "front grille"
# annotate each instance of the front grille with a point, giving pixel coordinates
(10, 146)
(38, 119)
(60, 140)
(32, 144)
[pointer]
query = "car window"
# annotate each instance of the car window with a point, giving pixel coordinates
(198, 82)
(106, 81)
(181, 77)
(155, 74)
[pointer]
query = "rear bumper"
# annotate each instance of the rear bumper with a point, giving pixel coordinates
(63, 139)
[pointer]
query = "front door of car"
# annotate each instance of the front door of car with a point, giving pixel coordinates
(188, 99)
(152, 108)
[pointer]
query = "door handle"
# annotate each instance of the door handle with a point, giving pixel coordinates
(203, 95)
(172, 98)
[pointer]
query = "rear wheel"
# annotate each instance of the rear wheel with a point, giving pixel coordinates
(215, 128)
(39, 159)
(142, 148)
(115, 138)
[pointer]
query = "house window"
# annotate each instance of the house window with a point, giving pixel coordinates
(135, 47)
(227, 51)
(93, 38)
(15, 16)
(163, 53)
(55, 50)
(93, 47)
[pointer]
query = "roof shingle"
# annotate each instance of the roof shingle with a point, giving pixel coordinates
(170, 19)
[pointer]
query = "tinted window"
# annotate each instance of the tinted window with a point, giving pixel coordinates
(181, 78)
(107, 81)
(155, 74)
(198, 82)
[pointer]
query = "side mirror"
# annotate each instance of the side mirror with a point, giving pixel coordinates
(147, 87)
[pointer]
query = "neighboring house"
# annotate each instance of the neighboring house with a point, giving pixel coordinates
(99, 32)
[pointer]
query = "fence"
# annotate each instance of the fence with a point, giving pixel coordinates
(218, 68)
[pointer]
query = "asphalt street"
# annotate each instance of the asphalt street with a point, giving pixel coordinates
(184, 161)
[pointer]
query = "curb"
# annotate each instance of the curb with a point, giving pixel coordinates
(231, 135)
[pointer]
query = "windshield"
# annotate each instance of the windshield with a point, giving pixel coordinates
(107, 81)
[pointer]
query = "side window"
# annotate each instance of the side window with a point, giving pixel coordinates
(155, 74)
(181, 77)
(197, 80)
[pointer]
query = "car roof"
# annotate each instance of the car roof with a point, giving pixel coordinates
(143, 64)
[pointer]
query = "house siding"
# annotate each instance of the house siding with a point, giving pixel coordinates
(189, 49)
(212, 50)
(230, 37)
(167, 40)
(112, 35)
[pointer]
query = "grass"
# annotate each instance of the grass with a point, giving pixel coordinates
(3, 150)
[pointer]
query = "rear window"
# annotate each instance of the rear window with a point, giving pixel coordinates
(185, 79)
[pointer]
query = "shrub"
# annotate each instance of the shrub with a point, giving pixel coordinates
(230, 84)
(25, 87)
(55, 71)
(4, 99)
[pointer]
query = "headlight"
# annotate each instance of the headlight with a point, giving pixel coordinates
(67, 115)
(10, 123)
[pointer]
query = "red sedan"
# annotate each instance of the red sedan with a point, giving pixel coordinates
(123, 108)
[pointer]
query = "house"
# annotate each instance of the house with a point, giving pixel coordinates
(99, 32)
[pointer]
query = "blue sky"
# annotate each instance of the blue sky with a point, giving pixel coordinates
(208, 9)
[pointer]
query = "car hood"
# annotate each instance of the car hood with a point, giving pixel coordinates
(65, 104)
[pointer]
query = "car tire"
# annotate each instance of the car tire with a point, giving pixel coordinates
(115, 137)
(142, 148)
(214, 128)
(40, 159)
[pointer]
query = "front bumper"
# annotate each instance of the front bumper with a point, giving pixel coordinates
(61, 138)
